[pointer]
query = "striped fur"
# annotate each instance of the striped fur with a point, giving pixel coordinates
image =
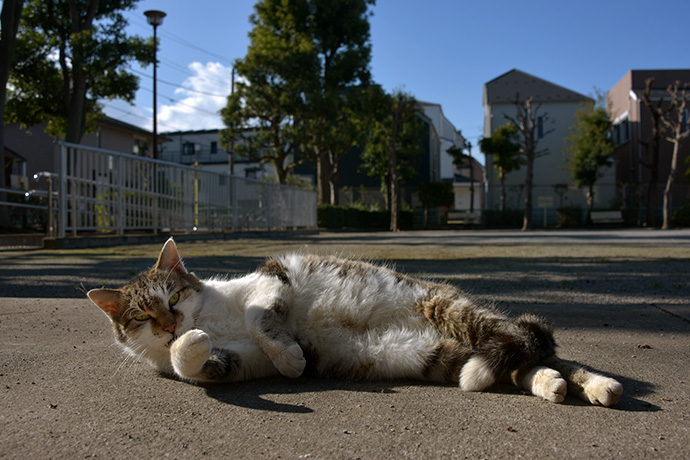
(336, 318)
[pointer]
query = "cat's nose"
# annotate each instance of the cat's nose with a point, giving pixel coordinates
(170, 328)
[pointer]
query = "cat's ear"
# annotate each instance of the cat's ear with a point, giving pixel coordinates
(108, 300)
(169, 259)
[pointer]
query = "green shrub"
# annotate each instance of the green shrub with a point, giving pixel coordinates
(436, 194)
(330, 216)
(681, 216)
(510, 218)
(569, 217)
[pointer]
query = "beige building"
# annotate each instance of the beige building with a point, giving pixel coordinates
(33, 151)
(555, 113)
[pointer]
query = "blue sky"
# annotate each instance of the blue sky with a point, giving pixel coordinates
(440, 51)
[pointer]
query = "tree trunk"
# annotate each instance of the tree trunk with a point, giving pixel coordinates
(527, 219)
(76, 116)
(393, 173)
(11, 13)
(395, 199)
(654, 163)
(590, 203)
(651, 188)
(333, 180)
(669, 183)
(502, 178)
(322, 177)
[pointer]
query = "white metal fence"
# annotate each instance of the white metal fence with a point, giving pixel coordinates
(101, 190)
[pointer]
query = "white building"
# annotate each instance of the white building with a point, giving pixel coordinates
(450, 137)
(556, 108)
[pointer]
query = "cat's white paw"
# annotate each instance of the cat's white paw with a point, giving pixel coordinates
(190, 352)
(603, 391)
(291, 362)
(546, 383)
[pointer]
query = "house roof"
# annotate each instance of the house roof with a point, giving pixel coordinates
(13, 156)
(516, 83)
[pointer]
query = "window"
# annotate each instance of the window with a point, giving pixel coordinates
(540, 127)
(686, 117)
(214, 147)
(140, 147)
(187, 148)
(621, 132)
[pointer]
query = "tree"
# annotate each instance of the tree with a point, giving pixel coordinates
(339, 30)
(69, 55)
(269, 97)
(394, 146)
(464, 160)
(11, 12)
(676, 129)
(526, 122)
(590, 148)
(302, 84)
(506, 154)
(656, 111)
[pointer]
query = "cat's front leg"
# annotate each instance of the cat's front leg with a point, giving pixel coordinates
(190, 352)
(194, 358)
(269, 332)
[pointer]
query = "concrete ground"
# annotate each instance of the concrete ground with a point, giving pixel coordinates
(620, 301)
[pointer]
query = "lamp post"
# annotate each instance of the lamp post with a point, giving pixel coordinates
(155, 18)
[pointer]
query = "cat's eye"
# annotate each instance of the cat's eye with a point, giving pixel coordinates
(143, 317)
(174, 299)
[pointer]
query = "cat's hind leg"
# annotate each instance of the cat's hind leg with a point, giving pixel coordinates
(588, 386)
(542, 381)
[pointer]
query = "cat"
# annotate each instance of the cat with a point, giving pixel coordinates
(339, 318)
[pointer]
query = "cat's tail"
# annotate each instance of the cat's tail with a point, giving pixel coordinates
(499, 345)
(506, 347)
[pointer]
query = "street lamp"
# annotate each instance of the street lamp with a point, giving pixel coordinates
(155, 18)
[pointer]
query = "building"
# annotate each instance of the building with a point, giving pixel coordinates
(32, 150)
(200, 148)
(555, 114)
(632, 136)
(463, 187)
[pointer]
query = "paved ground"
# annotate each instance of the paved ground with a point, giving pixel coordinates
(620, 300)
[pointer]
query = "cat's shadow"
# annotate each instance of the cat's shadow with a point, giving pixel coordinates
(253, 394)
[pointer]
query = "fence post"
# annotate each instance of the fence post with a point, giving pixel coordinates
(234, 201)
(269, 205)
(120, 198)
(62, 191)
(154, 198)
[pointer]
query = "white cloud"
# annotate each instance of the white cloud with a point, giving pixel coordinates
(198, 101)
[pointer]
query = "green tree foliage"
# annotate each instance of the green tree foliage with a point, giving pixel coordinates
(339, 30)
(301, 85)
(394, 145)
(269, 98)
(502, 145)
(590, 148)
(70, 54)
(11, 13)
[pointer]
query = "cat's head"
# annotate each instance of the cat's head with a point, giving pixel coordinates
(154, 308)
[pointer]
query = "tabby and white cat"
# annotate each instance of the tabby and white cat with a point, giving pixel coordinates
(336, 318)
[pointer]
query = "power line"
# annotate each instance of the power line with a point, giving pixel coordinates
(135, 20)
(135, 115)
(176, 101)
